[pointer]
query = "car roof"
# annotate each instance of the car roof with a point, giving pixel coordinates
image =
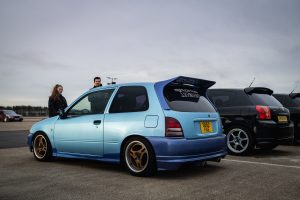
(291, 95)
(247, 90)
(123, 84)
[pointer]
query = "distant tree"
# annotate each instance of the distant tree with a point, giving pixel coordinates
(28, 111)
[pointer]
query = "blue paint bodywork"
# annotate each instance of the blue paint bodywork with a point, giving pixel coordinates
(78, 137)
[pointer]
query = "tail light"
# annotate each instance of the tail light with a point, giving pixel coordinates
(173, 127)
(264, 112)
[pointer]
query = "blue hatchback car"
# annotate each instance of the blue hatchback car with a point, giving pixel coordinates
(145, 126)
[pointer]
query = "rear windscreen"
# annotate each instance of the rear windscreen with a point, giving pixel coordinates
(264, 100)
(287, 101)
(187, 99)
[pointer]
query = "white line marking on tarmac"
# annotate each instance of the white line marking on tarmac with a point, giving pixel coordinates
(259, 163)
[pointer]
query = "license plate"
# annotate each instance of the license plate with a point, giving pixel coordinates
(282, 119)
(206, 127)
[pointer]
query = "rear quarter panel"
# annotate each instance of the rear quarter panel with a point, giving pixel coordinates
(239, 115)
(118, 126)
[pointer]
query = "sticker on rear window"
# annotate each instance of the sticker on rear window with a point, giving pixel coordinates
(186, 93)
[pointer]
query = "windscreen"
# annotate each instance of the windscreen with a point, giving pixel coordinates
(9, 112)
(187, 99)
(264, 100)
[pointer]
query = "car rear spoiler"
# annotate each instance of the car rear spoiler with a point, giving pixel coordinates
(180, 81)
(258, 90)
(294, 95)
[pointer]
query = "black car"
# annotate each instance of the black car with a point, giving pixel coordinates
(292, 102)
(251, 118)
(10, 115)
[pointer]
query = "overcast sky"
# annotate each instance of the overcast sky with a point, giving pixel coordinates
(69, 42)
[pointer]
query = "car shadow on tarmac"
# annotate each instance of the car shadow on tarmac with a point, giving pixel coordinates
(189, 171)
(185, 171)
(262, 153)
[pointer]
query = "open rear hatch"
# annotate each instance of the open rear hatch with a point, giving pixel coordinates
(184, 99)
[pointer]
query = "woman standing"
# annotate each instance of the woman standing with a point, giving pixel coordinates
(56, 101)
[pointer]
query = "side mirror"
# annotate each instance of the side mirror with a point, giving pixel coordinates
(62, 114)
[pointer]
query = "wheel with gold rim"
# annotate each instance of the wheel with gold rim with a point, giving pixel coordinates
(42, 150)
(138, 157)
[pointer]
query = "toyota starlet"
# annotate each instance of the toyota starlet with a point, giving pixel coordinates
(145, 126)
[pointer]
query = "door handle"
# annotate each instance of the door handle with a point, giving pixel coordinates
(97, 122)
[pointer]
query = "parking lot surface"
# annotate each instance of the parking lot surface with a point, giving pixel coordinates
(19, 126)
(263, 175)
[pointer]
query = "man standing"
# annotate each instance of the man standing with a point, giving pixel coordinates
(97, 82)
(94, 97)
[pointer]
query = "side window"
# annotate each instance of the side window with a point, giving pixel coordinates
(93, 103)
(229, 98)
(130, 99)
(220, 98)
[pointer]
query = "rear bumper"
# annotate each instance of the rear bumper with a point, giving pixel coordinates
(171, 153)
(271, 132)
(297, 129)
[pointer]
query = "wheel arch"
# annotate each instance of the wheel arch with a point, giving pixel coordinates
(128, 138)
(239, 121)
(34, 135)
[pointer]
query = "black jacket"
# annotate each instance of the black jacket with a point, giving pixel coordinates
(94, 99)
(56, 105)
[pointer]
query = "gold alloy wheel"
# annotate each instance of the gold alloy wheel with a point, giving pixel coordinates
(136, 156)
(40, 146)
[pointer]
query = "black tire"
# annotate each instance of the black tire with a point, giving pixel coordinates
(296, 140)
(240, 145)
(42, 149)
(138, 157)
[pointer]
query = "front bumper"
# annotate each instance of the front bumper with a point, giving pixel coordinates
(171, 153)
(29, 141)
(13, 119)
(271, 132)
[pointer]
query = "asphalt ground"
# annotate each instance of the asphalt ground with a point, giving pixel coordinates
(12, 139)
(19, 126)
(262, 175)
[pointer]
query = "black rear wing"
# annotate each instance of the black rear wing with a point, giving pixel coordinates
(294, 95)
(201, 84)
(258, 90)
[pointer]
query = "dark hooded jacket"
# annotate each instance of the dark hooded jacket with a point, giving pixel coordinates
(55, 105)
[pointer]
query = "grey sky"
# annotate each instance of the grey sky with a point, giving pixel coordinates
(69, 42)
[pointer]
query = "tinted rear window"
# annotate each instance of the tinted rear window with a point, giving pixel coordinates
(187, 99)
(264, 100)
(287, 101)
